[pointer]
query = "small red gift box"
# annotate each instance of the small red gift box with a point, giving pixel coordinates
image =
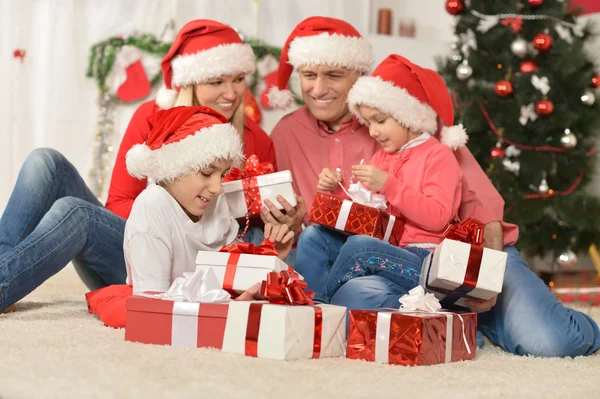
(354, 218)
(411, 338)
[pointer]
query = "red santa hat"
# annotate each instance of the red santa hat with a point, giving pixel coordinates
(203, 49)
(183, 140)
(319, 41)
(415, 97)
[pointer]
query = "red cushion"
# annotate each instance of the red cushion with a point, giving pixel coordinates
(108, 303)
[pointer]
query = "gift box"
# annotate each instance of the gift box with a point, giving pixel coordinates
(246, 190)
(238, 267)
(580, 286)
(258, 329)
(355, 218)
(411, 338)
(456, 270)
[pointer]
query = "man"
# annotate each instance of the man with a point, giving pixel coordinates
(330, 55)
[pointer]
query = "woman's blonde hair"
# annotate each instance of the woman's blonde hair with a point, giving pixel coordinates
(188, 98)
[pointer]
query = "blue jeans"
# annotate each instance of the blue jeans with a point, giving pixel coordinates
(51, 219)
(527, 319)
(328, 259)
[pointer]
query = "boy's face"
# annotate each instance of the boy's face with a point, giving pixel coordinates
(325, 91)
(383, 128)
(195, 192)
(223, 94)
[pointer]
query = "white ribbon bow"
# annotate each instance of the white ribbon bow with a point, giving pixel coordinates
(200, 286)
(487, 24)
(542, 84)
(362, 195)
(417, 299)
(527, 113)
(468, 42)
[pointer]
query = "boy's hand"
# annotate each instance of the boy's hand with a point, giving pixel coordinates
(282, 236)
(374, 179)
(328, 180)
(293, 216)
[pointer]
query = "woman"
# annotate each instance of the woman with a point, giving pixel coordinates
(52, 218)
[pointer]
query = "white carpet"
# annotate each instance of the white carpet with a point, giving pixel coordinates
(52, 348)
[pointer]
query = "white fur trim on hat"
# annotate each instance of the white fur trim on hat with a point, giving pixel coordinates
(335, 50)
(454, 136)
(190, 154)
(226, 59)
(166, 98)
(395, 101)
(280, 99)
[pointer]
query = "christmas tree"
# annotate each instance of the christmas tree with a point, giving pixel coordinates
(523, 87)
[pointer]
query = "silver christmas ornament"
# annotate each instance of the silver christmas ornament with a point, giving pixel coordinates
(567, 260)
(464, 71)
(588, 98)
(568, 140)
(519, 48)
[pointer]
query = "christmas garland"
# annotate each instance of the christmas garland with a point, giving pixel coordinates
(103, 54)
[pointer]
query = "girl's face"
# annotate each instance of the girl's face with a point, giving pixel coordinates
(382, 127)
(223, 94)
(194, 192)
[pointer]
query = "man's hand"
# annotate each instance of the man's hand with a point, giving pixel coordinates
(329, 180)
(493, 236)
(282, 237)
(480, 305)
(293, 217)
(373, 178)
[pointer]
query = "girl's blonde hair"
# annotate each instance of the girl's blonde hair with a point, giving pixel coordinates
(188, 98)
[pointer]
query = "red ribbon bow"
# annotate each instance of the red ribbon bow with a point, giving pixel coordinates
(286, 288)
(20, 53)
(252, 168)
(469, 230)
(266, 248)
(516, 24)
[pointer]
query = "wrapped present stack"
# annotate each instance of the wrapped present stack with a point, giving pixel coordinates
(240, 266)
(460, 267)
(287, 326)
(418, 333)
(364, 214)
(247, 189)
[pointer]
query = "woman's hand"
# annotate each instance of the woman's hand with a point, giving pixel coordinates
(282, 237)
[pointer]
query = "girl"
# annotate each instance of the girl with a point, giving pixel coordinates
(52, 218)
(402, 104)
(188, 152)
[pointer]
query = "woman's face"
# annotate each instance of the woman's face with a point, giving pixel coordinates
(223, 94)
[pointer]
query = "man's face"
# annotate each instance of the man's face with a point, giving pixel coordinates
(325, 91)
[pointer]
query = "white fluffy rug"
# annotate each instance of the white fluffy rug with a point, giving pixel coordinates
(52, 348)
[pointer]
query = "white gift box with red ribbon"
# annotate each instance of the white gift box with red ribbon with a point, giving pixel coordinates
(265, 187)
(236, 272)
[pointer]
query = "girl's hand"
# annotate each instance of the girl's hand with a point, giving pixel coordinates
(282, 236)
(374, 179)
(328, 180)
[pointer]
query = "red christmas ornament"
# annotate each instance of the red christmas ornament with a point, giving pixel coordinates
(542, 42)
(596, 80)
(535, 3)
(497, 153)
(528, 66)
(544, 107)
(503, 88)
(251, 108)
(455, 7)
